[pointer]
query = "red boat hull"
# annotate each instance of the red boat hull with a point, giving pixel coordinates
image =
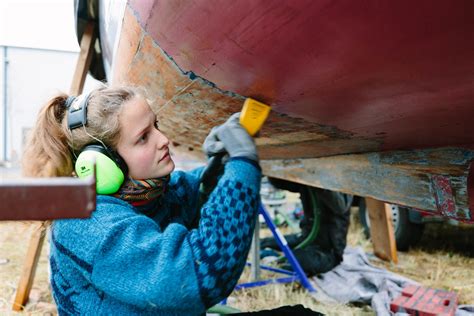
(399, 73)
(390, 81)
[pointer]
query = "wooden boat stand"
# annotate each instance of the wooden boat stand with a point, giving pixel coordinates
(381, 228)
(41, 200)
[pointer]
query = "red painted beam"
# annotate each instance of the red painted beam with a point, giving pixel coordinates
(46, 198)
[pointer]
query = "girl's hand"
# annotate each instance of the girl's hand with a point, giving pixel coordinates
(232, 138)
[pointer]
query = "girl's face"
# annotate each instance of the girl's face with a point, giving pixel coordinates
(143, 147)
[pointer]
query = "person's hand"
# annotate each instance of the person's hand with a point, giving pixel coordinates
(212, 145)
(231, 137)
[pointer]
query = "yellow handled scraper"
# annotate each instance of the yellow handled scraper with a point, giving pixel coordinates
(253, 115)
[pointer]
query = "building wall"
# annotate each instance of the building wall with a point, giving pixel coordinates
(33, 76)
(2, 105)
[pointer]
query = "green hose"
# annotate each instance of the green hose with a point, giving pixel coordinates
(314, 229)
(316, 221)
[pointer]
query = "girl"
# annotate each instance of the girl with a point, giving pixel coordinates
(140, 252)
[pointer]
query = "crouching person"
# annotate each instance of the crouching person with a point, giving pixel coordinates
(140, 252)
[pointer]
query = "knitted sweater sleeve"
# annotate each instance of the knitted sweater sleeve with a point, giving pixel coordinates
(177, 268)
(222, 241)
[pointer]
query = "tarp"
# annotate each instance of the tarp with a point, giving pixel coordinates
(356, 280)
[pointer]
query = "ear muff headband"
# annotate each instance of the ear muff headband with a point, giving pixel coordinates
(77, 112)
(110, 168)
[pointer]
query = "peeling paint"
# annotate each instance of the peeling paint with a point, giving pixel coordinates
(203, 105)
(444, 196)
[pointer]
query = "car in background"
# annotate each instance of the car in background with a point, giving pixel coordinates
(408, 223)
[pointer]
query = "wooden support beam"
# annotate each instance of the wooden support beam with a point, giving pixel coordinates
(84, 60)
(29, 268)
(437, 180)
(381, 230)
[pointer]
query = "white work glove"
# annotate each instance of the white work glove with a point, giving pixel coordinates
(231, 137)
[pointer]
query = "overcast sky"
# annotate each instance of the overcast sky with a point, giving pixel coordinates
(38, 23)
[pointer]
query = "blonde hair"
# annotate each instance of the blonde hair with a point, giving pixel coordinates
(51, 145)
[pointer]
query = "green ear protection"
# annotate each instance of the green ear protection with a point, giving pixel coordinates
(110, 168)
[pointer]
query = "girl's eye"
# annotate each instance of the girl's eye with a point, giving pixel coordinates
(157, 125)
(143, 138)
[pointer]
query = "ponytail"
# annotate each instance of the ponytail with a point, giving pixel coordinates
(47, 151)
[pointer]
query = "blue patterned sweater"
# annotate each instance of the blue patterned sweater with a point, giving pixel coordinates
(121, 262)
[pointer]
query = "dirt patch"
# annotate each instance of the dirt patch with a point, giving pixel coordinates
(14, 240)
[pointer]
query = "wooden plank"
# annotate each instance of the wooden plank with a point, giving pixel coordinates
(409, 178)
(84, 60)
(29, 268)
(46, 198)
(381, 230)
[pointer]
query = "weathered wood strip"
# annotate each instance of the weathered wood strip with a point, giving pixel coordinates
(409, 178)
